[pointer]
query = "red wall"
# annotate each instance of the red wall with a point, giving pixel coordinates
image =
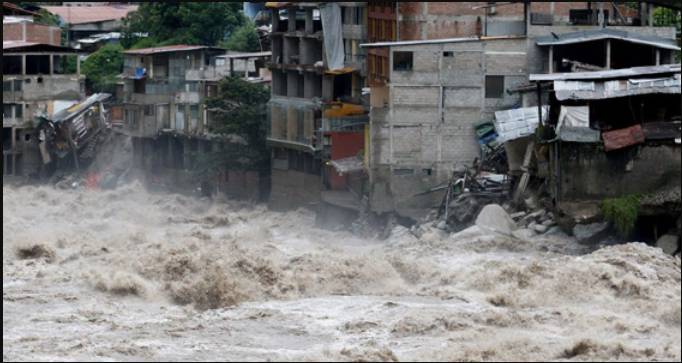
(344, 144)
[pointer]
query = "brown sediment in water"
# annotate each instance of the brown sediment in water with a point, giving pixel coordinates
(228, 280)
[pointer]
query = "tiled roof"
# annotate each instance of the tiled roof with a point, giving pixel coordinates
(91, 14)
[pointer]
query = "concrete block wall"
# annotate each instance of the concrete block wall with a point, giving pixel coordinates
(427, 129)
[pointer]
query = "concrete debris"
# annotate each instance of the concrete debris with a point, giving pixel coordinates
(524, 233)
(540, 228)
(669, 243)
(494, 218)
(591, 233)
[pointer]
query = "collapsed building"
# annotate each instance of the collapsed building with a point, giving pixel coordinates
(429, 101)
(161, 105)
(38, 80)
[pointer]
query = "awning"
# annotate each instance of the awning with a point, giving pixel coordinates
(665, 69)
(601, 34)
(591, 90)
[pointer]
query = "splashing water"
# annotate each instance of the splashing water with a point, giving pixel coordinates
(126, 274)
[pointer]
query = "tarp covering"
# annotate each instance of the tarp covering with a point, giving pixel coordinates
(330, 13)
(590, 90)
(574, 125)
(517, 123)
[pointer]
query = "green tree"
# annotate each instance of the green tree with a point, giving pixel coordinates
(102, 68)
(204, 23)
(243, 39)
(238, 110)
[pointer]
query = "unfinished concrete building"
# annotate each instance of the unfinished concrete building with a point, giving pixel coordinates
(318, 74)
(428, 99)
(37, 80)
(163, 108)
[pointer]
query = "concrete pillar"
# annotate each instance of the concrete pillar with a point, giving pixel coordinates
(275, 20)
(23, 64)
(309, 25)
(231, 67)
(551, 59)
(78, 64)
(51, 64)
(658, 57)
(608, 54)
(291, 12)
(650, 14)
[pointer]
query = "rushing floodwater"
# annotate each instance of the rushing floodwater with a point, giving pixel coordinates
(128, 275)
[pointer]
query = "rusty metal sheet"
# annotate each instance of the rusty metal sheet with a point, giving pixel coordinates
(618, 139)
(662, 130)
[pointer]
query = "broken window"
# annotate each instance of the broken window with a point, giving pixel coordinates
(37, 64)
(494, 86)
(402, 61)
(11, 64)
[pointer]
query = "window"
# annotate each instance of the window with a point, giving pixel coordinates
(448, 54)
(6, 86)
(402, 61)
(194, 112)
(494, 86)
(17, 85)
(149, 110)
(11, 64)
(6, 110)
(18, 111)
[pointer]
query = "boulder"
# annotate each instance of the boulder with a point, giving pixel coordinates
(540, 228)
(524, 233)
(668, 243)
(494, 218)
(548, 222)
(591, 233)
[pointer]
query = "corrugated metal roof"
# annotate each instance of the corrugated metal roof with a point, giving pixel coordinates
(18, 45)
(592, 35)
(91, 14)
(517, 123)
(246, 55)
(168, 48)
(609, 74)
(592, 90)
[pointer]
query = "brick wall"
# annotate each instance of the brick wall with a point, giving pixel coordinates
(36, 33)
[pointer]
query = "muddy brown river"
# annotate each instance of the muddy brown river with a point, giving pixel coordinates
(130, 275)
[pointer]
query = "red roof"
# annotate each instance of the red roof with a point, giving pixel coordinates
(13, 8)
(168, 48)
(91, 14)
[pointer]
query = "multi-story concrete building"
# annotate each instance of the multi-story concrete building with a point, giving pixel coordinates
(428, 94)
(163, 96)
(37, 79)
(318, 75)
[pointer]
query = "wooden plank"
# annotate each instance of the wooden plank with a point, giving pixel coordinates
(662, 130)
(618, 139)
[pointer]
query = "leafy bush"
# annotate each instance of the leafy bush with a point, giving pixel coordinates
(622, 212)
